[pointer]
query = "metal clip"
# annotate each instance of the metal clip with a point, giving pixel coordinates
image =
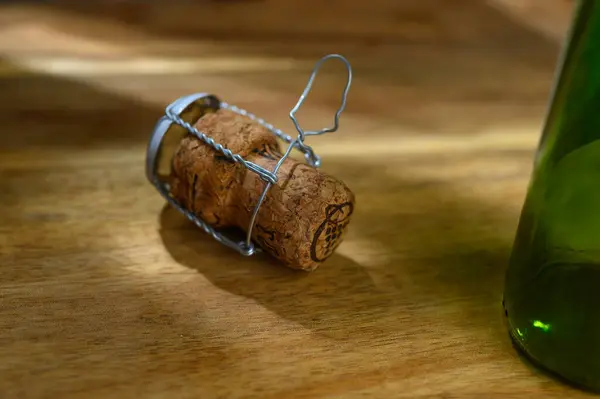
(183, 112)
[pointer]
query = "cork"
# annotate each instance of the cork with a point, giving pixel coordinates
(304, 216)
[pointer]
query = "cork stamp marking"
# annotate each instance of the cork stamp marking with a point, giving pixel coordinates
(336, 219)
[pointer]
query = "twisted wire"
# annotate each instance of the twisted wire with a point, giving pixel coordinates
(262, 172)
(248, 248)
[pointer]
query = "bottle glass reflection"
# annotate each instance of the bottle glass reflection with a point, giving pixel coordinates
(552, 288)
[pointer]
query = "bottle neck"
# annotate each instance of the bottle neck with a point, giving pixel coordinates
(573, 116)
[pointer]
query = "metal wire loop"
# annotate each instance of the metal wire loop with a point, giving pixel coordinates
(336, 120)
(172, 116)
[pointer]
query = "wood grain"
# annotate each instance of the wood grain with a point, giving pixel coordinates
(107, 293)
(426, 21)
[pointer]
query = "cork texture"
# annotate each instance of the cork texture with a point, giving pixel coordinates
(304, 215)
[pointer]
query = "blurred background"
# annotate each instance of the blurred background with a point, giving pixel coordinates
(419, 65)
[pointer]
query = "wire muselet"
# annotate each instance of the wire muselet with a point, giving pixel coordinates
(174, 117)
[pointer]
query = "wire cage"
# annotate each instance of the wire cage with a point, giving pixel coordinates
(174, 116)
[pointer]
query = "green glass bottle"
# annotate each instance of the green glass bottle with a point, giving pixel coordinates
(552, 287)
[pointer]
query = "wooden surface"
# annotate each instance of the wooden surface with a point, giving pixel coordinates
(107, 293)
(374, 21)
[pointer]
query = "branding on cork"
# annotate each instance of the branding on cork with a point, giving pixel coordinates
(328, 235)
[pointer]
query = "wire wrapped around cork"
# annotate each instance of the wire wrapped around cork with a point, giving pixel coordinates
(223, 167)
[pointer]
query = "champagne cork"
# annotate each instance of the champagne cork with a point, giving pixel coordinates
(305, 214)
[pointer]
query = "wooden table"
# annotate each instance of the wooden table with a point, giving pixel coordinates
(107, 293)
